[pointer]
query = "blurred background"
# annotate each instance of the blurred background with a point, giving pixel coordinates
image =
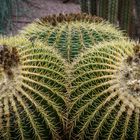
(15, 14)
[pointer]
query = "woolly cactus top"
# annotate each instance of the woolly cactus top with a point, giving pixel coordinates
(32, 91)
(106, 93)
(71, 33)
(129, 74)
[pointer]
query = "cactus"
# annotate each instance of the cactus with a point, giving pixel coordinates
(71, 33)
(9, 8)
(125, 15)
(108, 9)
(89, 6)
(105, 93)
(115, 11)
(95, 7)
(92, 7)
(32, 91)
(103, 8)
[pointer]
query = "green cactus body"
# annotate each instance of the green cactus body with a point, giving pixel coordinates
(125, 15)
(113, 11)
(108, 9)
(84, 5)
(71, 33)
(92, 7)
(103, 8)
(32, 91)
(106, 93)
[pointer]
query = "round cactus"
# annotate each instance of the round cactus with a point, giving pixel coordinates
(32, 91)
(106, 93)
(71, 33)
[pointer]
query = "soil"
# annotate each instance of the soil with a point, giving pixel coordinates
(40, 8)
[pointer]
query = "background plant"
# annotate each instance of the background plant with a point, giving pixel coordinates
(7, 9)
(116, 11)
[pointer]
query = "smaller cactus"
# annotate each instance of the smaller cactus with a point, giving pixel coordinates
(71, 33)
(32, 91)
(106, 93)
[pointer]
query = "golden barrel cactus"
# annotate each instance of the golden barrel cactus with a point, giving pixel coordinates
(105, 93)
(32, 91)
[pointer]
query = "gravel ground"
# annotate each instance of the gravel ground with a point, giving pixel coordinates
(41, 8)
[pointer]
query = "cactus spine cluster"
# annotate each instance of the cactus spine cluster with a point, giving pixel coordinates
(71, 33)
(92, 7)
(106, 93)
(32, 91)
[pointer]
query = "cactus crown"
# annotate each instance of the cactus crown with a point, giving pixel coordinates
(130, 73)
(56, 19)
(105, 92)
(71, 33)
